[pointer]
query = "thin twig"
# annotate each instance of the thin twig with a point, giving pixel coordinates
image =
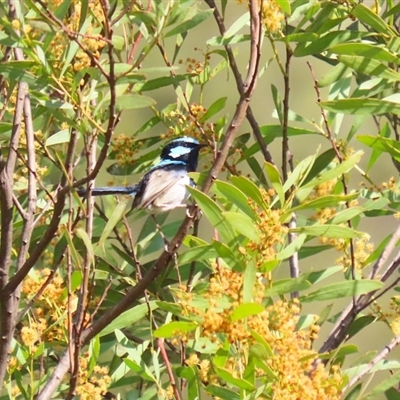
(171, 376)
(379, 357)
(385, 253)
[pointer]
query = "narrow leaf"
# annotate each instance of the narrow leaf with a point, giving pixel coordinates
(288, 286)
(275, 178)
(128, 318)
(171, 329)
(132, 100)
(245, 310)
(184, 27)
(112, 222)
(361, 106)
(213, 213)
(243, 224)
(343, 289)
(328, 230)
(216, 107)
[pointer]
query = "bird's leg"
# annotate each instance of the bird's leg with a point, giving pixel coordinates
(158, 227)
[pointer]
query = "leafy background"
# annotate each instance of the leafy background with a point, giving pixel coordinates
(286, 286)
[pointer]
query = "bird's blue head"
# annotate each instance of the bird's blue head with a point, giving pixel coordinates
(185, 150)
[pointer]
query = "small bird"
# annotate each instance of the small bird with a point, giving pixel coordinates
(163, 187)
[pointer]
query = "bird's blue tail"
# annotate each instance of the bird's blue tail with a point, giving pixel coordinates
(107, 190)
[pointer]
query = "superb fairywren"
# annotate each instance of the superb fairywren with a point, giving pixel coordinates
(163, 187)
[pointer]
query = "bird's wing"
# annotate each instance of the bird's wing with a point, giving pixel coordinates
(158, 183)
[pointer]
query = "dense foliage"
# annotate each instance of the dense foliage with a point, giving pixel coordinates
(98, 301)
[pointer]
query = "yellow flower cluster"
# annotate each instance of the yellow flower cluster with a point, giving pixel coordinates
(91, 41)
(92, 386)
(126, 148)
(204, 368)
(362, 250)
(188, 123)
(272, 15)
(390, 317)
(48, 319)
(272, 230)
(297, 375)
(193, 66)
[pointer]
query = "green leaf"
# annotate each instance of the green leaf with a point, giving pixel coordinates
(321, 162)
(249, 279)
(382, 144)
(362, 105)
(223, 40)
(292, 248)
(392, 393)
(277, 102)
(347, 215)
(87, 242)
(240, 23)
(111, 223)
(213, 213)
(227, 377)
(366, 50)
(318, 276)
(300, 173)
(197, 254)
(215, 107)
(378, 251)
(326, 41)
(142, 370)
(235, 196)
(221, 356)
(171, 329)
(328, 230)
(157, 83)
(308, 251)
(260, 339)
(383, 386)
(245, 310)
(63, 136)
(345, 350)
(300, 37)
(368, 17)
(285, 6)
(330, 200)
(335, 74)
(184, 27)
(132, 100)
(369, 66)
(243, 225)
(333, 173)
(359, 324)
(250, 190)
(343, 289)
(288, 286)
(129, 317)
(276, 182)
(230, 257)
(222, 393)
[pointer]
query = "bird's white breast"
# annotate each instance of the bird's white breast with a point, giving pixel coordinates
(172, 196)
